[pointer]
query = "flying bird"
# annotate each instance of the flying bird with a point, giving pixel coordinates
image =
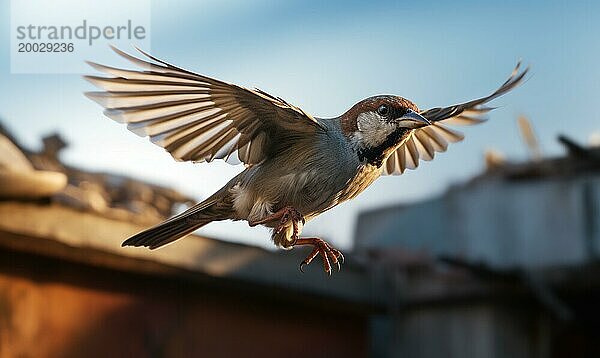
(296, 166)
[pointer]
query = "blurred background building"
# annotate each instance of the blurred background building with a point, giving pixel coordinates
(505, 265)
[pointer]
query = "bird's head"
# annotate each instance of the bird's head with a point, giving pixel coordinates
(376, 125)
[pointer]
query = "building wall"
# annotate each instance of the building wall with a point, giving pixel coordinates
(465, 331)
(52, 308)
(542, 235)
(506, 224)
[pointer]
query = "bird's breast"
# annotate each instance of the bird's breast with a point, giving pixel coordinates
(363, 178)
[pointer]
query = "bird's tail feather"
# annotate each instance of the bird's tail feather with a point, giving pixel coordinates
(176, 227)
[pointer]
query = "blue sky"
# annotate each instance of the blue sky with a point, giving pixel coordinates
(326, 56)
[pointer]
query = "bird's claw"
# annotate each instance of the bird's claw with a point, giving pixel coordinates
(321, 248)
(341, 257)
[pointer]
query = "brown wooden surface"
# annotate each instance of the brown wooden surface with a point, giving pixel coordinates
(53, 308)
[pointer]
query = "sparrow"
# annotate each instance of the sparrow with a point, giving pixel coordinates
(297, 166)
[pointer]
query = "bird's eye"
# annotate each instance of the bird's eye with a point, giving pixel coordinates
(383, 110)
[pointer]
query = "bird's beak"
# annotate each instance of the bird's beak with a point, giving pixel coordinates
(415, 117)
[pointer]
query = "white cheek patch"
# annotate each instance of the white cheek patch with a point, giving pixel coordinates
(372, 129)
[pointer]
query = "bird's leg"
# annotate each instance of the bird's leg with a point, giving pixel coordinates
(283, 215)
(320, 247)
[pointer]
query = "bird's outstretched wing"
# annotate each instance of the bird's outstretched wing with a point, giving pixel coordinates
(194, 117)
(424, 142)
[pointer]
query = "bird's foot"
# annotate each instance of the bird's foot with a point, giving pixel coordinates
(293, 215)
(284, 215)
(329, 254)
